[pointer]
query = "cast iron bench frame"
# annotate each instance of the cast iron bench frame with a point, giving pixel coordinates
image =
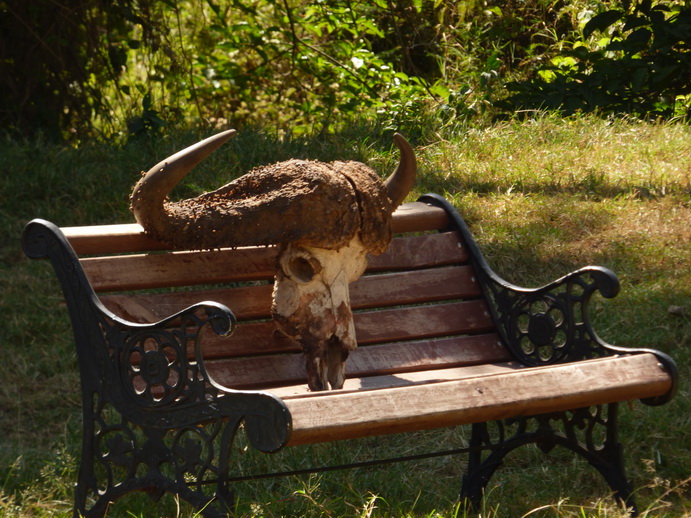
(520, 365)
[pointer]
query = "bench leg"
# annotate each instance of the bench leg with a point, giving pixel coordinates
(120, 458)
(576, 430)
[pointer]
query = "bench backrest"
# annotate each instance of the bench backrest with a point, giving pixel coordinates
(417, 307)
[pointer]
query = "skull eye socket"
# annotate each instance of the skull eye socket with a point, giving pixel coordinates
(302, 269)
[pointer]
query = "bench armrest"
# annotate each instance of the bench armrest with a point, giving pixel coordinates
(146, 371)
(551, 324)
(162, 387)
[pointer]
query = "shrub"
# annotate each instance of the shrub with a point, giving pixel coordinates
(633, 59)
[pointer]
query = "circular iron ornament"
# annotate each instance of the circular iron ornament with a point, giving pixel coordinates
(539, 330)
(155, 367)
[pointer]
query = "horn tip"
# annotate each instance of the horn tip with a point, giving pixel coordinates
(401, 142)
(223, 136)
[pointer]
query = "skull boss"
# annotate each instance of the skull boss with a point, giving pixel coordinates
(311, 305)
(325, 218)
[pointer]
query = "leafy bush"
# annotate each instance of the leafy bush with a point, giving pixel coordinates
(300, 66)
(129, 67)
(57, 60)
(291, 64)
(633, 59)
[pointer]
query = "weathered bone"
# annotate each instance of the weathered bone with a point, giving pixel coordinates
(311, 304)
(325, 216)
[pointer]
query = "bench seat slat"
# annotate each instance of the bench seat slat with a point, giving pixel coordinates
(254, 302)
(254, 373)
(422, 286)
(371, 327)
(418, 252)
(516, 392)
(246, 302)
(145, 271)
(111, 239)
(403, 379)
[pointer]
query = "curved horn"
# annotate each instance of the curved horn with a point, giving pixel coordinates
(312, 203)
(150, 192)
(398, 185)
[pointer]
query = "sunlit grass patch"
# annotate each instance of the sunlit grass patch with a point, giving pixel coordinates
(584, 156)
(645, 238)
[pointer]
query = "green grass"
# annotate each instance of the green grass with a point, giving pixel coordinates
(543, 197)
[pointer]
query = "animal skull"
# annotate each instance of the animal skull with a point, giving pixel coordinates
(311, 304)
(324, 216)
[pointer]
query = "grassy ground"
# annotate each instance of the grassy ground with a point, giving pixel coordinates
(542, 197)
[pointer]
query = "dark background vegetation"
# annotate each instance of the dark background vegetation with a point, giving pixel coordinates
(79, 69)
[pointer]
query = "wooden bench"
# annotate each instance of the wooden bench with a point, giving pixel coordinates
(443, 341)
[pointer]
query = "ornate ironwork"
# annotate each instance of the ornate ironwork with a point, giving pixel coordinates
(589, 432)
(144, 401)
(546, 326)
(550, 324)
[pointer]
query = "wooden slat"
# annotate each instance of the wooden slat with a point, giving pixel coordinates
(254, 302)
(111, 239)
(249, 339)
(395, 358)
(130, 237)
(418, 252)
(402, 379)
(371, 327)
(423, 286)
(246, 302)
(418, 217)
(144, 271)
(259, 373)
(521, 392)
(149, 271)
(422, 321)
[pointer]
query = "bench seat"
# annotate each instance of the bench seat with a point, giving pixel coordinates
(466, 395)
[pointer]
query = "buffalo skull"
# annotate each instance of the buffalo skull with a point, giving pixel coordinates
(324, 217)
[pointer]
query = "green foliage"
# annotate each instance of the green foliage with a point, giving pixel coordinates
(298, 66)
(633, 59)
(128, 68)
(58, 59)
